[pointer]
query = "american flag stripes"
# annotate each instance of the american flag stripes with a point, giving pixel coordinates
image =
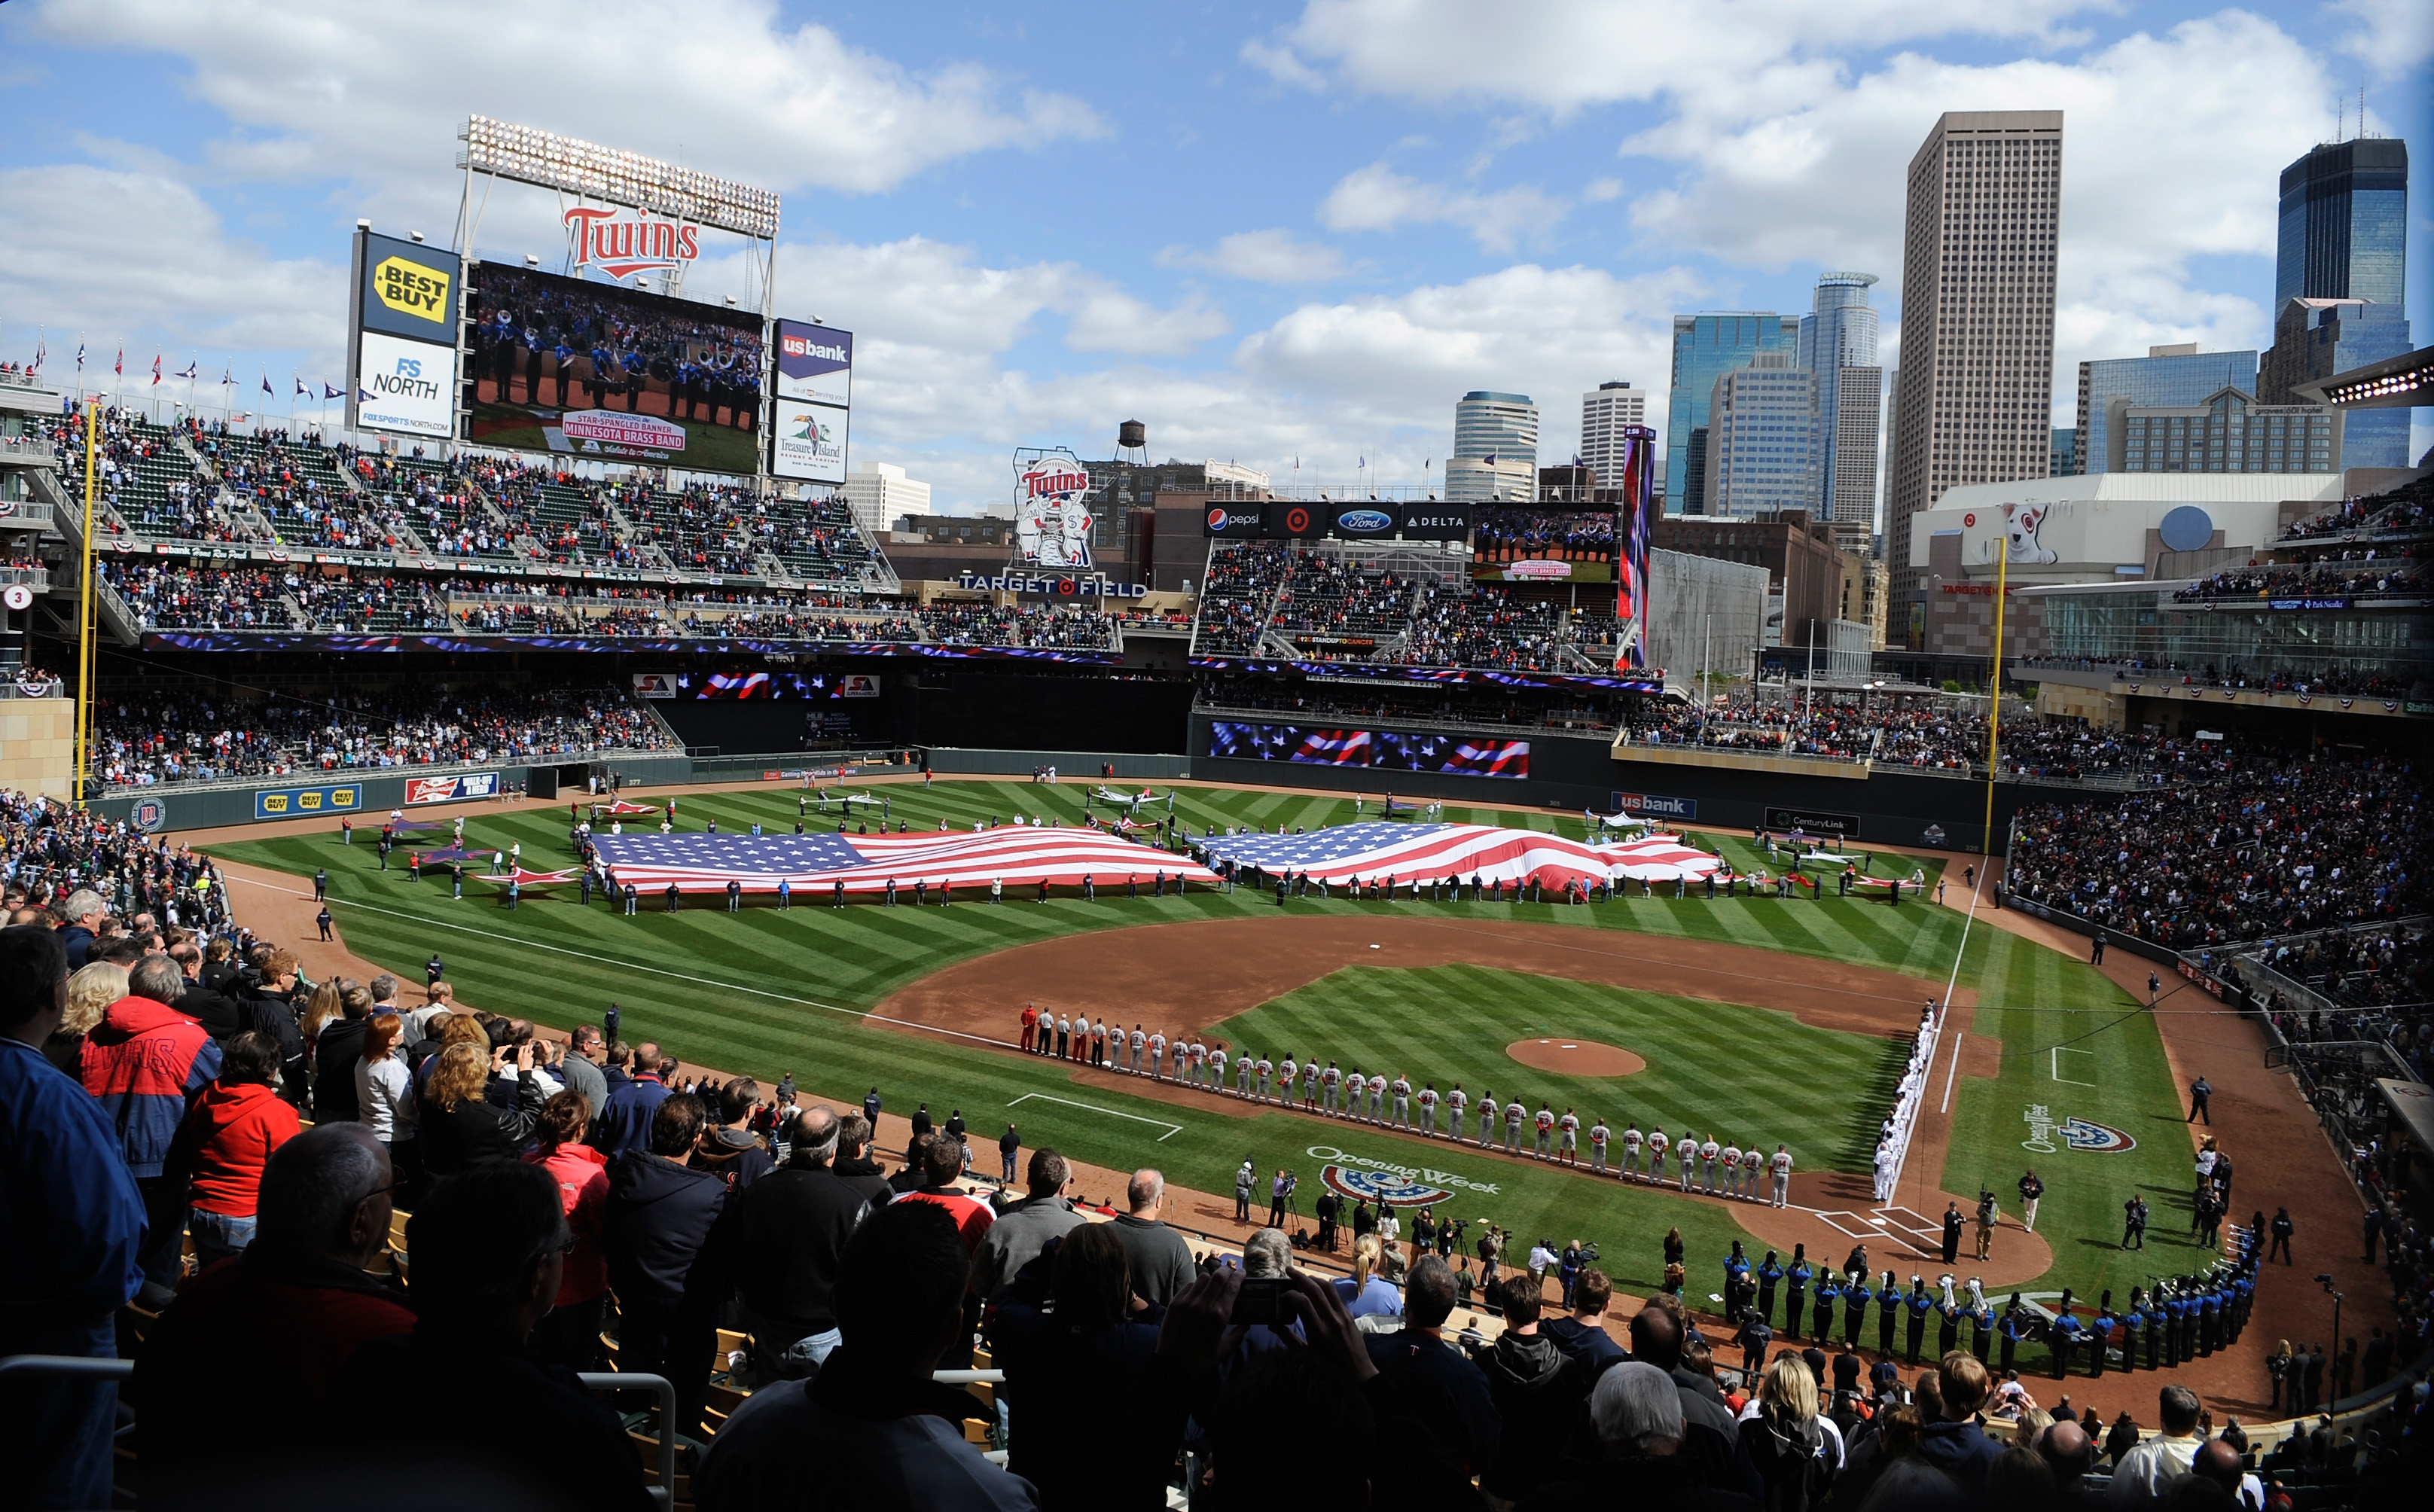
(1425, 851)
(1019, 855)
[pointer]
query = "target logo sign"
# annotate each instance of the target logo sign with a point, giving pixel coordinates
(1298, 520)
(1969, 520)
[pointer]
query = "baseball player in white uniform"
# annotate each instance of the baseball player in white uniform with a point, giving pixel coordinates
(1753, 1169)
(1139, 1040)
(1428, 1112)
(1546, 1125)
(1199, 1061)
(1707, 1152)
(1264, 1068)
(1599, 1134)
(1781, 1168)
(1334, 1080)
(1403, 1090)
(1489, 1111)
(1567, 1138)
(1310, 1086)
(1632, 1142)
(1686, 1155)
(1731, 1160)
(1157, 1055)
(1290, 1070)
(1657, 1144)
(1377, 1099)
(1354, 1086)
(1515, 1116)
(1245, 1068)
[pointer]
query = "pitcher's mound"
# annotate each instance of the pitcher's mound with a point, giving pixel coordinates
(1575, 1058)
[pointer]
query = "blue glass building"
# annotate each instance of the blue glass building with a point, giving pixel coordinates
(1838, 343)
(2316, 339)
(2167, 375)
(1706, 347)
(2345, 226)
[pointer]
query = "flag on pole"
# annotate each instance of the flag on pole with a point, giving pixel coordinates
(228, 376)
(120, 365)
(301, 389)
(265, 387)
(156, 371)
(329, 391)
(79, 356)
(190, 368)
(42, 349)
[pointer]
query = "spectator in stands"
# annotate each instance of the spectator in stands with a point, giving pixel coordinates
(2069, 1453)
(383, 1088)
(1521, 1366)
(622, 1124)
(854, 1166)
(248, 1353)
(83, 911)
(91, 991)
(580, 1068)
(1650, 1453)
(1954, 1443)
(899, 1301)
(488, 1250)
(1583, 1336)
(789, 1234)
(1433, 1381)
(570, 1336)
(660, 1217)
(941, 1170)
(1022, 1231)
(1656, 1335)
(1087, 1361)
(270, 1007)
(731, 1151)
(460, 1127)
(1160, 1260)
(225, 1144)
(335, 1051)
(146, 1063)
(71, 1228)
(205, 1004)
(1365, 1292)
(1795, 1450)
(2141, 1476)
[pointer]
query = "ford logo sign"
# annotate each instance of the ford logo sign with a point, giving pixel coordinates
(1361, 522)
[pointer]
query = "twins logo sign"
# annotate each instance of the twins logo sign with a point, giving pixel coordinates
(1051, 525)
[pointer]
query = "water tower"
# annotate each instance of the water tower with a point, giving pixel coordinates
(1132, 443)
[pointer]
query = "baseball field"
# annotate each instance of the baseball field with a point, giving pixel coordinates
(1754, 1020)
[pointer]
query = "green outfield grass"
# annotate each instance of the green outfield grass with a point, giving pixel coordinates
(766, 993)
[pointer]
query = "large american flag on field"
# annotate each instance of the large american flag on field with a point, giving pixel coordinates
(1019, 855)
(1404, 851)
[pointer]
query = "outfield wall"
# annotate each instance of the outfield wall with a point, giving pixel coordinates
(368, 795)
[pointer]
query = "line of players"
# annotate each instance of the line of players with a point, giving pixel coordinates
(2177, 1320)
(1704, 1166)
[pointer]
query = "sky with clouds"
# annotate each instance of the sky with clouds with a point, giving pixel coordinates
(1274, 233)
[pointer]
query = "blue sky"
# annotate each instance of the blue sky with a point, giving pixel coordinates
(1275, 232)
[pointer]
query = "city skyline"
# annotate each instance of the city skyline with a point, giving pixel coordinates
(1326, 221)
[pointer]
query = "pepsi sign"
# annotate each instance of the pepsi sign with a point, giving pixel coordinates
(1237, 519)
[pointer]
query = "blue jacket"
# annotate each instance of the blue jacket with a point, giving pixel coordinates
(71, 1220)
(1959, 1449)
(623, 1127)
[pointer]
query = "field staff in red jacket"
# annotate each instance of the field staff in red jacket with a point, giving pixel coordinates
(225, 1140)
(145, 1063)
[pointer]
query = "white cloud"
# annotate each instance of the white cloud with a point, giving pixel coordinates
(375, 94)
(1560, 56)
(133, 257)
(1804, 167)
(1379, 198)
(1263, 257)
(2391, 37)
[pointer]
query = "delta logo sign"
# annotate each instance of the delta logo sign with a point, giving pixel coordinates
(1395, 1186)
(623, 245)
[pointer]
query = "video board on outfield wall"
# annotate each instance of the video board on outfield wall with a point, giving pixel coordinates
(1393, 750)
(596, 372)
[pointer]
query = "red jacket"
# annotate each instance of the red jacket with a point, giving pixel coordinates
(582, 1176)
(144, 1062)
(225, 1140)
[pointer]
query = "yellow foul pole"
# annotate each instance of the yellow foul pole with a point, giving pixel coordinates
(1995, 705)
(85, 607)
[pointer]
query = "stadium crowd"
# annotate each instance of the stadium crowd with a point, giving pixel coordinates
(162, 736)
(2268, 845)
(476, 1211)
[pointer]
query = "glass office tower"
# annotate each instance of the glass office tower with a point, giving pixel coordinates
(2344, 231)
(2167, 375)
(1706, 347)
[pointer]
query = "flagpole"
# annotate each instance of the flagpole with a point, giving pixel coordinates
(1995, 706)
(84, 612)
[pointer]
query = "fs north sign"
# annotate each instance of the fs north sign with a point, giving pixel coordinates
(623, 243)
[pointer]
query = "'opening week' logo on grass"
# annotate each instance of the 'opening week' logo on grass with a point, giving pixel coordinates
(2077, 1133)
(1397, 1186)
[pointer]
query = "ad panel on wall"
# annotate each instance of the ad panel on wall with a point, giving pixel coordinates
(1387, 750)
(405, 387)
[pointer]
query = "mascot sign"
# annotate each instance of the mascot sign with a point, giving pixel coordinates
(1052, 523)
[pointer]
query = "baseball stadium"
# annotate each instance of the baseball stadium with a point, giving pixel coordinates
(1190, 860)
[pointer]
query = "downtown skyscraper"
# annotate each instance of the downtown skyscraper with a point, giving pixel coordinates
(1837, 342)
(1975, 397)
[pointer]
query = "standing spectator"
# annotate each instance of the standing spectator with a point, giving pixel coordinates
(1796, 1452)
(570, 1336)
(635, 1093)
(1022, 1231)
(2141, 1474)
(899, 1298)
(226, 1143)
(854, 1166)
(460, 1127)
(1009, 1150)
(91, 991)
(1160, 1260)
(789, 1230)
(488, 1248)
(940, 1165)
(1521, 1370)
(1087, 1358)
(1365, 1292)
(249, 1350)
(83, 912)
(335, 1050)
(146, 1063)
(731, 1151)
(383, 1088)
(71, 1229)
(661, 1213)
(1954, 1443)
(580, 1069)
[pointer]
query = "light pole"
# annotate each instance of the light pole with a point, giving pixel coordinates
(2325, 1280)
